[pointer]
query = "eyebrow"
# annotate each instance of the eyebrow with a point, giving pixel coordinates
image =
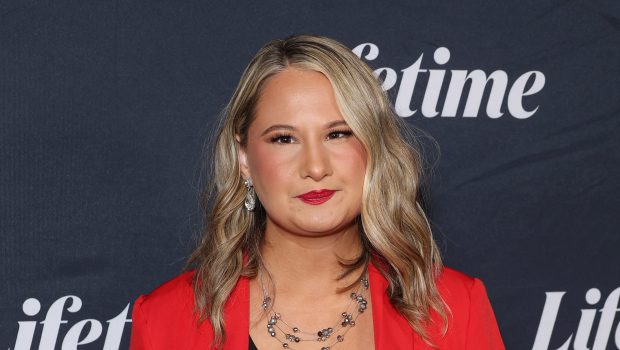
(292, 128)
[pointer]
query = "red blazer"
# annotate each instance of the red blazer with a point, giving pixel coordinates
(164, 318)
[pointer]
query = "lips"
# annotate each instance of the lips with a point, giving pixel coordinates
(316, 197)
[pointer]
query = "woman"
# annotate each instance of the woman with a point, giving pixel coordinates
(314, 238)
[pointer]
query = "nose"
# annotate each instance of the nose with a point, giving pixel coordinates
(315, 162)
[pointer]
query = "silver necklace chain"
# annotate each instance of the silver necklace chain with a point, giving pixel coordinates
(287, 334)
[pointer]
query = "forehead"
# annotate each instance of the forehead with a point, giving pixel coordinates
(296, 97)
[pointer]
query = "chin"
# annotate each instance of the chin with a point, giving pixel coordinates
(321, 228)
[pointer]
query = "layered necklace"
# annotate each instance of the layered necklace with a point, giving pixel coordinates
(288, 334)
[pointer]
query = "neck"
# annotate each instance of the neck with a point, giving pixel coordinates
(289, 256)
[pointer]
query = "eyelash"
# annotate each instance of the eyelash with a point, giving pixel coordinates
(344, 132)
(277, 138)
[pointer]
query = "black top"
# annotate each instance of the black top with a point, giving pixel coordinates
(252, 345)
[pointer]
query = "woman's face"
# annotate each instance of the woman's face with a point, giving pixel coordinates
(306, 165)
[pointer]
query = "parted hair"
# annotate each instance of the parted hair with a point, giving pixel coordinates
(394, 231)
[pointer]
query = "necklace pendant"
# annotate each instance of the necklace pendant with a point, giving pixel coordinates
(347, 320)
(291, 337)
(364, 283)
(266, 303)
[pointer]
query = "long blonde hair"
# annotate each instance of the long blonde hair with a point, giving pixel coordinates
(393, 227)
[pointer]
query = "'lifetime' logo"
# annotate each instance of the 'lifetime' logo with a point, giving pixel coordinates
(584, 329)
(73, 337)
(458, 78)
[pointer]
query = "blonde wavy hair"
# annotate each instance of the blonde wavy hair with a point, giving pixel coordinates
(393, 228)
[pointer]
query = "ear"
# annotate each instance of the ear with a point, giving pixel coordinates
(242, 157)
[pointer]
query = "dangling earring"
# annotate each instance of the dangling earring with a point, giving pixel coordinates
(250, 197)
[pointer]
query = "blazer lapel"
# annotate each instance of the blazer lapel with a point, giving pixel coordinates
(237, 316)
(392, 331)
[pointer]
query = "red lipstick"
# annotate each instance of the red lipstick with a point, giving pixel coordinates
(316, 197)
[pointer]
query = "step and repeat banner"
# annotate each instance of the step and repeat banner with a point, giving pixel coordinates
(106, 109)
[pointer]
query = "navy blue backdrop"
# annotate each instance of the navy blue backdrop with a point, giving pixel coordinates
(105, 107)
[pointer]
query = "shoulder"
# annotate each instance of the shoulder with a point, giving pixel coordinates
(171, 295)
(165, 318)
(454, 284)
(459, 290)
(471, 321)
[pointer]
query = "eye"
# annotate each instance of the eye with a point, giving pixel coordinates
(281, 138)
(337, 134)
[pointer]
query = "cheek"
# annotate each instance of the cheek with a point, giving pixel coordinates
(269, 167)
(352, 160)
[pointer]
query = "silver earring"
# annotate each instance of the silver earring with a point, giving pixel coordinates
(250, 197)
